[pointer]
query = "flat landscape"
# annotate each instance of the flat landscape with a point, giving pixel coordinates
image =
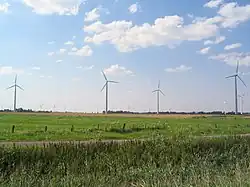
(169, 155)
(72, 126)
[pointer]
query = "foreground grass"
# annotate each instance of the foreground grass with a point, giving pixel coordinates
(32, 127)
(159, 162)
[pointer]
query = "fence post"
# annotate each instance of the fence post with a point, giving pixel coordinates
(124, 125)
(13, 129)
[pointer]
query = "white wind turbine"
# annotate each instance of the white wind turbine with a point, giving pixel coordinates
(242, 102)
(15, 86)
(158, 91)
(236, 77)
(106, 86)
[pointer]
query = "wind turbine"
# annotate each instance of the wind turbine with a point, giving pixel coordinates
(242, 102)
(235, 76)
(15, 86)
(106, 86)
(158, 91)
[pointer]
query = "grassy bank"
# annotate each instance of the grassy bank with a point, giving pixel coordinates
(160, 162)
(30, 127)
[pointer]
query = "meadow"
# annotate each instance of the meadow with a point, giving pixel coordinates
(158, 162)
(38, 127)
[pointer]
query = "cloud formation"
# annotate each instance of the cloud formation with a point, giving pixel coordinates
(232, 46)
(8, 70)
(4, 7)
(179, 69)
(167, 31)
(232, 58)
(59, 7)
(134, 8)
(118, 70)
(204, 50)
(218, 40)
(84, 51)
(213, 3)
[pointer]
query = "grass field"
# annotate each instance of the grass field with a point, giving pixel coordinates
(157, 163)
(31, 127)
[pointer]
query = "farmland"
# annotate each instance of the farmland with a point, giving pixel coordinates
(48, 127)
(157, 162)
(172, 153)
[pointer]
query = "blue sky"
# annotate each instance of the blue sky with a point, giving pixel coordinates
(59, 47)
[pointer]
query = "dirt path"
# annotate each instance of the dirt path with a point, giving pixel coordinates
(44, 143)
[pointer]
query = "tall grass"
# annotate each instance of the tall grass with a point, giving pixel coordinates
(158, 162)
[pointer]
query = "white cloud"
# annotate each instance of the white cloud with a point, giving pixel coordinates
(89, 67)
(62, 51)
(74, 37)
(69, 43)
(74, 49)
(181, 68)
(4, 7)
(216, 41)
(36, 68)
(50, 77)
(204, 50)
(51, 42)
(85, 68)
(213, 3)
(233, 14)
(84, 51)
(51, 53)
(232, 46)
(58, 61)
(134, 8)
(169, 31)
(42, 76)
(232, 58)
(8, 70)
(59, 7)
(118, 70)
(93, 15)
(190, 15)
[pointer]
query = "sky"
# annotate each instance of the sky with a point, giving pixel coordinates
(58, 49)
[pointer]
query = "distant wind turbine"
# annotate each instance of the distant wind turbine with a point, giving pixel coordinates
(158, 91)
(235, 76)
(106, 86)
(242, 102)
(15, 86)
(41, 107)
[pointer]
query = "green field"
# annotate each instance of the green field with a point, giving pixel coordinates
(153, 163)
(31, 127)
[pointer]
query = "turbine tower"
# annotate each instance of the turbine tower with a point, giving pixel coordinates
(236, 77)
(15, 86)
(106, 86)
(158, 91)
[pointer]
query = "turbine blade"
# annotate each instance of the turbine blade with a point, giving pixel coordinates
(230, 76)
(104, 86)
(237, 68)
(162, 93)
(113, 82)
(104, 76)
(155, 91)
(10, 87)
(20, 87)
(159, 84)
(242, 80)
